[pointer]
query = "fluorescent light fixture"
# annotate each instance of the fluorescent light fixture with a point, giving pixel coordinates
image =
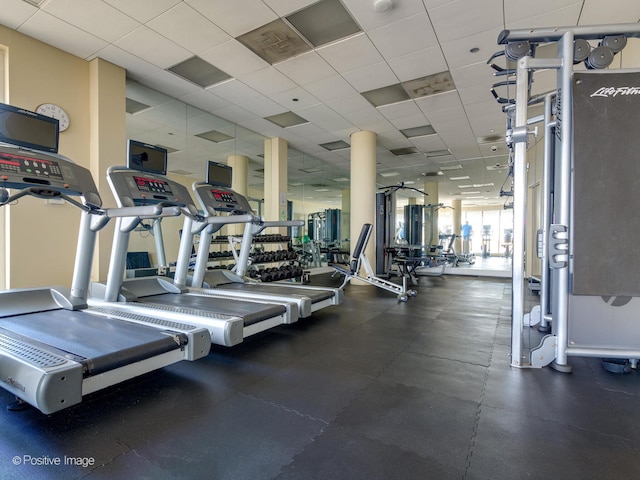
(286, 119)
(389, 174)
(339, 145)
(451, 167)
(455, 179)
(340, 179)
(197, 71)
(322, 190)
(438, 153)
(323, 22)
(480, 185)
(469, 193)
(419, 132)
(405, 151)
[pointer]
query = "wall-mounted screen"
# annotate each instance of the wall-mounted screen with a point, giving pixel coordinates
(28, 129)
(218, 174)
(146, 158)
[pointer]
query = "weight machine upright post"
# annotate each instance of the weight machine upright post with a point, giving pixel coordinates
(546, 212)
(564, 134)
(519, 208)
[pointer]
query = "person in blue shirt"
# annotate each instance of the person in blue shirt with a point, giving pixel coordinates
(467, 230)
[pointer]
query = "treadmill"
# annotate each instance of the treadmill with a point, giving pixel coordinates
(53, 349)
(216, 197)
(228, 319)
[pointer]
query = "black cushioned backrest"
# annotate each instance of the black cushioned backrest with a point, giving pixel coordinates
(362, 240)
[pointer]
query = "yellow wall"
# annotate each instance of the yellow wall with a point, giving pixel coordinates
(40, 239)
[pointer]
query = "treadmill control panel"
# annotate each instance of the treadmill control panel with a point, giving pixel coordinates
(46, 174)
(220, 199)
(31, 166)
(153, 185)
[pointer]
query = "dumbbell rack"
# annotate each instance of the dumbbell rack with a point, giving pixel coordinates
(287, 259)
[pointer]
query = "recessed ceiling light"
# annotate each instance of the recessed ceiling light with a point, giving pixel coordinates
(474, 50)
(470, 193)
(340, 179)
(322, 189)
(389, 174)
(438, 153)
(465, 177)
(451, 167)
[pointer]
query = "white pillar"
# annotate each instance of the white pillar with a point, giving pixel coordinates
(456, 220)
(363, 187)
(431, 189)
(275, 181)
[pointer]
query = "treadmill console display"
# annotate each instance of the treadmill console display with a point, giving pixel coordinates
(153, 185)
(225, 201)
(29, 166)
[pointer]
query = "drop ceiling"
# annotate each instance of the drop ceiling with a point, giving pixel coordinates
(206, 76)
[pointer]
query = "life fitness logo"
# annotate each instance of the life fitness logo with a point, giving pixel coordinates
(615, 91)
(619, 301)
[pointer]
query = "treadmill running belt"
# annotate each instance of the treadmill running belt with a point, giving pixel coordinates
(104, 343)
(250, 312)
(315, 295)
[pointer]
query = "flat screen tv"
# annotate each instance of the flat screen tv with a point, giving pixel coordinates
(28, 129)
(146, 158)
(218, 175)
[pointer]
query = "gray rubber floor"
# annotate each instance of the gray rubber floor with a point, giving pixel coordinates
(373, 389)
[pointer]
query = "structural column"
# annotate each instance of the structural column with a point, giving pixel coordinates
(431, 226)
(363, 187)
(275, 181)
(239, 183)
(457, 223)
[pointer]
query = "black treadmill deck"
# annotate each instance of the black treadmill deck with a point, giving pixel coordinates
(250, 312)
(99, 343)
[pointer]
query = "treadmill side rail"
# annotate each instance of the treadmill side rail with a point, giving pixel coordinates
(43, 379)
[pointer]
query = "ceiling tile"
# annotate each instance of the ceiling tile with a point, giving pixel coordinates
(404, 36)
(306, 68)
(95, 16)
(475, 74)
(350, 103)
(429, 143)
(233, 20)
(186, 27)
(463, 18)
(516, 10)
(330, 88)
(601, 13)
(458, 52)
(49, 29)
(234, 91)
(408, 108)
(371, 77)
(442, 101)
(409, 121)
(262, 107)
(368, 18)
(268, 81)
(164, 81)
(295, 98)
(234, 58)
(560, 17)
(349, 54)
(206, 100)
(285, 7)
(16, 12)
(136, 68)
(236, 114)
(153, 47)
(419, 64)
(142, 11)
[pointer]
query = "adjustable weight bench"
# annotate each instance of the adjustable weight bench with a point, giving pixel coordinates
(360, 260)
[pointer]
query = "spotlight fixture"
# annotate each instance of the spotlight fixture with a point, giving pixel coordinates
(381, 6)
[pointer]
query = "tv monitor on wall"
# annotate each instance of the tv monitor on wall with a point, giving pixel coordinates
(28, 129)
(218, 174)
(146, 158)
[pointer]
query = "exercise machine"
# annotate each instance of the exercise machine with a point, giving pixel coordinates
(360, 260)
(219, 201)
(589, 305)
(54, 350)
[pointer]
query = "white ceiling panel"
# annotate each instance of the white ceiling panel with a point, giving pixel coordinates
(560, 17)
(262, 106)
(354, 52)
(475, 94)
(236, 114)
(136, 68)
(234, 91)
(206, 100)
(371, 77)
(330, 88)
(485, 118)
(408, 108)
(233, 19)
(62, 35)
(460, 18)
(168, 82)
(428, 143)
(351, 103)
(142, 10)
(268, 81)
(477, 73)
(516, 10)
(106, 22)
(285, 7)
(458, 51)
(369, 19)
(15, 12)
(419, 64)
(295, 98)
(153, 47)
(596, 12)
(183, 25)
(306, 68)
(412, 121)
(442, 101)
(404, 36)
(234, 58)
